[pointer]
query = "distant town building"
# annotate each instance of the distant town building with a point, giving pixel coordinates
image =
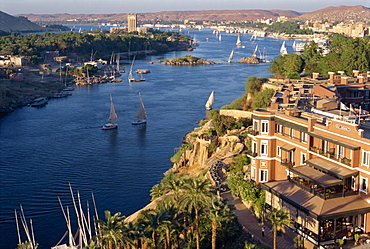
(132, 22)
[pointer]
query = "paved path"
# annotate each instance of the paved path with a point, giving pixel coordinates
(251, 225)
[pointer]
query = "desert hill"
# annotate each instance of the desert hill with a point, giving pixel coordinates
(11, 23)
(204, 15)
(338, 14)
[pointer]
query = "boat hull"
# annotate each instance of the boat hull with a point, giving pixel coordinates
(139, 122)
(109, 126)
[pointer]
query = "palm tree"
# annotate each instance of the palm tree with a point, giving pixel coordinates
(152, 221)
(196, 194)
(111, 230)
(278, 218)
(217, 212)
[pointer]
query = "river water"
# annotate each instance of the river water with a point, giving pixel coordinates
(44, 149)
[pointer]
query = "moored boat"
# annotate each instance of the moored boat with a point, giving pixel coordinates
(112, 122)
(210, 101)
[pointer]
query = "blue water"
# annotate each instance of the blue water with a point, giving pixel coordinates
(43, 149)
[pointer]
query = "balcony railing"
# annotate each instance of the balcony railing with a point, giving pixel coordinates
(332, 155)
(287, 163)
(251, 153)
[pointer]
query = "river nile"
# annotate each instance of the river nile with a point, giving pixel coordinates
(43, 149)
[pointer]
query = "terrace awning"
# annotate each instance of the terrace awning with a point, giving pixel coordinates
(316, 176)
(331, 168)
(287, 147)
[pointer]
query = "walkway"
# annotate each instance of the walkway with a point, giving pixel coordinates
(251, 225)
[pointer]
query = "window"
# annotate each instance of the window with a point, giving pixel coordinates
(264, 145)
(291, 133)
(254, 147)
(324, 146)
(303, 158)
(353, 183)
(279, 128)
(291, 156)
(255, 125)
(304, 137)
(265, 127)
(278, 151)
(340, 150)
(253, 173)
(365, 158)
(263, 175)
(363, 184)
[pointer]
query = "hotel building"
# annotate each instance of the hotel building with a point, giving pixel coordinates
(312, 158)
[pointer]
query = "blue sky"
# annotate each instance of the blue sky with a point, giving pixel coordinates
(14, 7)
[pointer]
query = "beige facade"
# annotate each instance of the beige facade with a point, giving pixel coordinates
(132, 22)
(316, 165)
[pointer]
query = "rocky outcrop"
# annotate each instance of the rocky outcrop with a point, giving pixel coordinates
(17, 24)
(207, 150)
(250, 60)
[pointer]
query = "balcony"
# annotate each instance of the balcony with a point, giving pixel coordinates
(287, 163)
(253, 132)
(251, 153)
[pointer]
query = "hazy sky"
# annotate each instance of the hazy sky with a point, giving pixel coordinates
(141, 6)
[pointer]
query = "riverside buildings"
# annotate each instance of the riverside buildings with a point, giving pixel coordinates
(311, 153)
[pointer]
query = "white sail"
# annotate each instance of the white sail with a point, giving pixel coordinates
(255, 51)
(141, 114)
(294, 45)
(238, 41)
(210, 101)
(231, 56)
(130, 77)
(112, 115)
(283, 49)
(219, 37)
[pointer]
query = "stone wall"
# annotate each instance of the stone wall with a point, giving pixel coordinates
(236, 113)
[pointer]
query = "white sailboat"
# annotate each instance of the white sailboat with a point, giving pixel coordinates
(141, 114)
(255, 51)
(283, 50)
(130, 77)
(112, 122)
(231, 56)
(220, 37)
(210, 101)
(238, 41)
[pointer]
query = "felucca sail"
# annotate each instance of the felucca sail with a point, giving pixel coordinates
(112, 115)
(231, 56)
(130, 77)
(238, 41)
(210, 101)
(112, 120)
(141, 114)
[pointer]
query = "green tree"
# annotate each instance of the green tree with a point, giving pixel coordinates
(279, 219)
(261, 100)
(110, 231)
(196, 194)
(253, 85)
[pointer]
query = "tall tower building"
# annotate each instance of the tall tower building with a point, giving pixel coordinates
(132, 21)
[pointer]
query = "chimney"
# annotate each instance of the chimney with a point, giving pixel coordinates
(355, 73)
(331, 75)
(341, 72)
(361, 132)
(344, 80)
(361, 79)
(311, 124)
(315, 76)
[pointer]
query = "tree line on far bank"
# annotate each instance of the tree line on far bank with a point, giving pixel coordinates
(101, 43)
(346, 54)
